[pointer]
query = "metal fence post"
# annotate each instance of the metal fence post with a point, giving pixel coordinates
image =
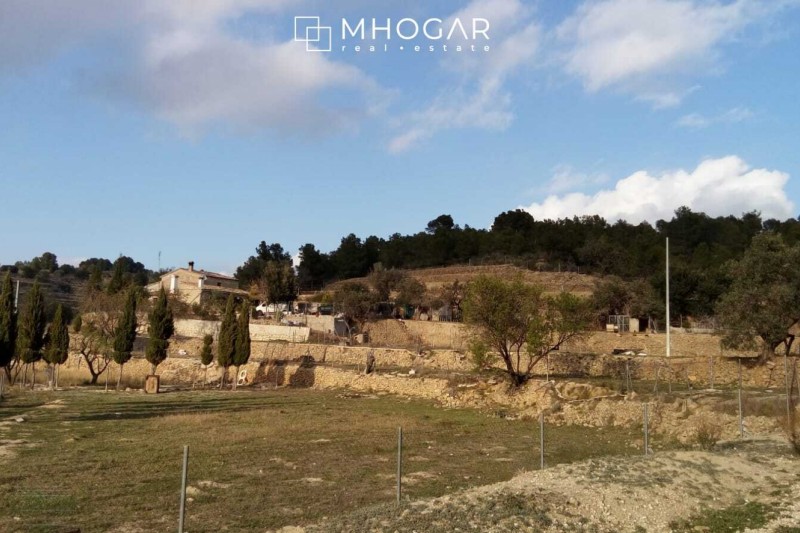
(741, 415)
(399, 464)
(541, 440)
(183, 487)
(646, 431)
(788, 394)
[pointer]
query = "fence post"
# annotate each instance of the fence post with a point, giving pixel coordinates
(788, 395)
(741, 415)
(399, 464)
(183, 487)
(541, 440)
(646, 431)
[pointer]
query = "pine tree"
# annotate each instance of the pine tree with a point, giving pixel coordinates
(161, 328)
(206, 355)
(57, 346)
(8, 326)
(242, 346)
(32, 326)
(125, 333)
(226, 342)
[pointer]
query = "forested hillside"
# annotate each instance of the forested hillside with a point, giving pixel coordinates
(700, 246)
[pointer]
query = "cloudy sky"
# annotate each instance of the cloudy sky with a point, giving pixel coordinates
(197, 128)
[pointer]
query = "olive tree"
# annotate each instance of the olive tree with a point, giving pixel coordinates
(763, 301)
(521, 323)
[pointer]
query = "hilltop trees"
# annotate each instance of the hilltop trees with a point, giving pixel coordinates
(521, 323)
(160, 330)
(32, 326)
(57, 344)
(125, 333)
(226, 341)
(764, 298)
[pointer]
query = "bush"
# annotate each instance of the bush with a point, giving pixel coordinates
(707, 432)
(482, 359)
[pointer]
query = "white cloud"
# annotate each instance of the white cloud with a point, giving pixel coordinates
(183, 62)
(731, 116)
(480, 99)
(650, 48)
(717, 187)
(566, 178)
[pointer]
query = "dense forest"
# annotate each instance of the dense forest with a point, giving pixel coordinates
(700, 247)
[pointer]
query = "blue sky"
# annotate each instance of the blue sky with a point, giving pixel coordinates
(199, 128)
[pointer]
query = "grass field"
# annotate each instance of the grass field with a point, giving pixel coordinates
(258, 459)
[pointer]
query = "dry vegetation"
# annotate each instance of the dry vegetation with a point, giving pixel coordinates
(435, 278)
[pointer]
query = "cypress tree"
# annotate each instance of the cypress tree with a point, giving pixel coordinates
(32, 324)
(8, 322)
(8, 326)
(242, 346)
(161, 328)
(206, 356)
(57, 346)
(125, 333)
(95, 279)
(226, 342)
(117, 281)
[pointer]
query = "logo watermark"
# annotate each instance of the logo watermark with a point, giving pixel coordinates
(385, 35)
(309, 30)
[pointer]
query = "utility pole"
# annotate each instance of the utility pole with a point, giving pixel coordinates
(16, 297)
(667, 295)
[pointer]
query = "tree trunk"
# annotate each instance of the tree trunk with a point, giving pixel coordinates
(236, 378)
(24, 377)
(58, 371)
(119, 376)
(152, 369)
(94, 376)
(205, 377)
(33, 376)
(107, 373)
(222, 379)
(2, 384)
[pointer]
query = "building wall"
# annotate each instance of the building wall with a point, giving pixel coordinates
(258, 332)
(188, 284)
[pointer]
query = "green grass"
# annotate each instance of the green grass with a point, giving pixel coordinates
(731, 519)
(281, 457)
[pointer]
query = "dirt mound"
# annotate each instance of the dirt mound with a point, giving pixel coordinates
(613, 494)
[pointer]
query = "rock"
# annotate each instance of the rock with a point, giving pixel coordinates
(192, 491)
(19, 419)
(412, 372)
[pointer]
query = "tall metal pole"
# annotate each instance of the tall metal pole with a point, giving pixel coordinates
(667, 297)
(183, 487)
(16, 297)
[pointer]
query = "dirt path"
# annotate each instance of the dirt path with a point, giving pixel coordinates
(626, 495)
